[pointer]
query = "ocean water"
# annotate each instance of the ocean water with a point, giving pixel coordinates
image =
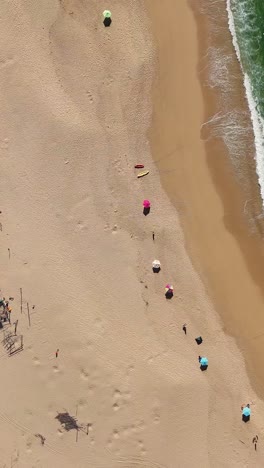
(246, 23)
(236, 76)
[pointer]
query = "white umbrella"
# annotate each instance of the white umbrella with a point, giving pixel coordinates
(156, 264)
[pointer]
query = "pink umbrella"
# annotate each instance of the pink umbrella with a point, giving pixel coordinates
(146, 204)
(168, 287)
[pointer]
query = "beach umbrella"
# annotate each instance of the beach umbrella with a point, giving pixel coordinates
(168, 291)
(246, 411)
(107, 18)
(204, 361)
(156, 266)
(146, 203)
(107, 14)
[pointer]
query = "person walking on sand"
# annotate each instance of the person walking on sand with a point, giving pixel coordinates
(255, 441)
(57, 353)
(184, 327)
(153, 235)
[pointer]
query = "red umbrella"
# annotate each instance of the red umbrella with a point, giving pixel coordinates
(146, 204)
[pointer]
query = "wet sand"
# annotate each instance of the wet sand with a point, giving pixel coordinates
(199, 179)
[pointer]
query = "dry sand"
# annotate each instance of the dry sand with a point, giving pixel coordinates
(75, 109)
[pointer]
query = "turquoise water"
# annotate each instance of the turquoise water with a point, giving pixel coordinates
(246, 23)
(249, 27)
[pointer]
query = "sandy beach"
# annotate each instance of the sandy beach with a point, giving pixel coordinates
(81, 104)
(215, 212)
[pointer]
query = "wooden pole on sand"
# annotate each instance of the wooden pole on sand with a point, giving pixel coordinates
(21, 300)
(28, 315)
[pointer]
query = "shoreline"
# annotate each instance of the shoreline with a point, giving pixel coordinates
(248, 80)
(211, 210)
(234, 197)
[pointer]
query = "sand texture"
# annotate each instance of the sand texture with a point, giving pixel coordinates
(216, 214)
(75, 102)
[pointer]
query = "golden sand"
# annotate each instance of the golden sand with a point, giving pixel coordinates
(75, 111)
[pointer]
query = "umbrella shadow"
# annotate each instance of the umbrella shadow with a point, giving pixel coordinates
(146, 210)
(70, 423)
(245, 418)
(169, 294)
(203, 367)
(67, 421)
(199, 340)
(107, 22)
(156, 270)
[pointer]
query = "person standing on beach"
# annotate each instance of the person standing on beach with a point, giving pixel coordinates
(57, 353)
(153, 235)
(255, 441)
(184, 327)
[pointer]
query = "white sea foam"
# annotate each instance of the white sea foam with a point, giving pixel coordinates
(229, 123)
(257, 121)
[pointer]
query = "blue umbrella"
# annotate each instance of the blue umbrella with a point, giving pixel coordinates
(204, 361)
(246, 411)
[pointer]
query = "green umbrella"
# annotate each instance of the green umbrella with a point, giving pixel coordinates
(107, 14)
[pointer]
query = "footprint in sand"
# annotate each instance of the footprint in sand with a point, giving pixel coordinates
(84, 374)
(130, 369)
(29, 445)
(14, 458)
(141, 447)
(82, 403)
(80, 227)
(90, 96)
(4, 144)
(117, 400)
(60, 433)
(6, 63)
(91, 389)
(117, 394)
(138, 427)
(116, 434)
(89, 344)
(156, 416)
(116, 407)
(109, 444)
(36, 361)
(126, 431)
(120, 399)
(99, 325)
